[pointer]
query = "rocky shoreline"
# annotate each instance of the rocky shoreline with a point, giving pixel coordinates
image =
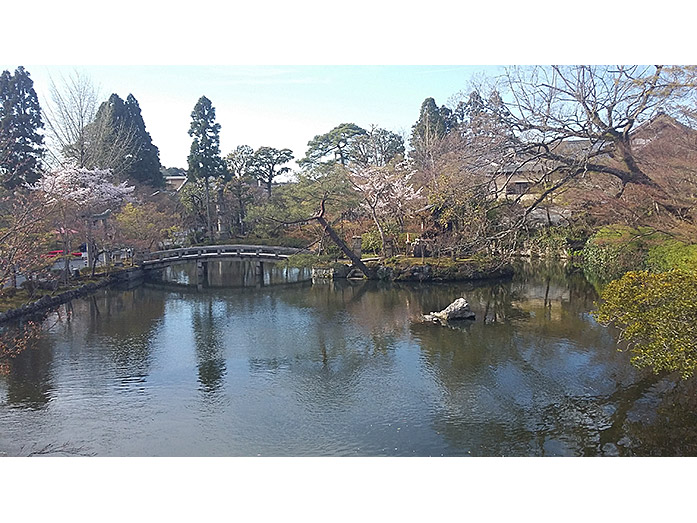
(436, 273)
(401, 270)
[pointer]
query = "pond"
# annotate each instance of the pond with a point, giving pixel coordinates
(339, 369)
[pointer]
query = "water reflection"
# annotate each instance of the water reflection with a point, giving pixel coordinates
(207, 330)
(28, 384)
(343, 368)
(233, 273)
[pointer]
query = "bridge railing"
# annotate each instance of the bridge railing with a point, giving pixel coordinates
(214, 251)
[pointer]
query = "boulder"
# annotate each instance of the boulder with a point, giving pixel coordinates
(457, 310)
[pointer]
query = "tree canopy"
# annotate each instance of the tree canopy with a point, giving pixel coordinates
(377, 147)
(204, 156)
(120, 141)
(21, 143)
(146, 167)
(111, 139)
(656, 314)
(267, 162)
(334, 144)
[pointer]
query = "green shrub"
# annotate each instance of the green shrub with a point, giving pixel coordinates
(672, 255)
(557, 241)
(656, 314)
(616, 249)
(370, 242)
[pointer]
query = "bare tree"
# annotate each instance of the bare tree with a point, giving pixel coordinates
(72, 107)
(565, 132)
(76, 136)
(598, 107)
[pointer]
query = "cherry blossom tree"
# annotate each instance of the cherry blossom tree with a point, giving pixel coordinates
(386, 194)
(81, 195)
(24, 219)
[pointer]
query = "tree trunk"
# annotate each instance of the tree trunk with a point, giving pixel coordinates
(66, 260)
(221, 213)
(370, 274)
(208, 210)
(380, 231)
(636, 175)
(240, 207)
(88, 244)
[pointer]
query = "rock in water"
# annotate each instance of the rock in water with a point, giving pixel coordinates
(457, 310)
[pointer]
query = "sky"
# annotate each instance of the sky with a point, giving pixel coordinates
(246, 54)
(277, 106)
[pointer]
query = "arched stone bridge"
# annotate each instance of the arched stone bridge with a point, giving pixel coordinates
(260, 253)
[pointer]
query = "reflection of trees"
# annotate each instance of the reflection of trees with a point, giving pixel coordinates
(532, 374)
(670, 430)
(123, 322)
(332, 335)
(126, 322)
(324, 361)
(29, 377)
(207, 330)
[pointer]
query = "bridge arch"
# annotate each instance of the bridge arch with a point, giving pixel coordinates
(259, 254)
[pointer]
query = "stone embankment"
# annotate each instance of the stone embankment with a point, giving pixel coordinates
(435, 273)
(47, 302)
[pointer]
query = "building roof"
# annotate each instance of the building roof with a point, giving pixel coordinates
(175, 183)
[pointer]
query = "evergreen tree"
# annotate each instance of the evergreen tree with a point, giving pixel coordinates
(377, 147)
(336, 142)
(266, 164)
(146, 167)
(119, 141)
(111, 138)
(21, 144)
(426, 135)
(430, 126)
(204, 158)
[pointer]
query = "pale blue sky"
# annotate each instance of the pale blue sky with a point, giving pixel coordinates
(277, 106)
(285, 106)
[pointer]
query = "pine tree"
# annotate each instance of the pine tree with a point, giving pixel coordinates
(146, 167)
(204, 157)
(267, 163)
(21, 144)
(336, 142)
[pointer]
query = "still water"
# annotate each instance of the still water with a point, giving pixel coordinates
(339, 369)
